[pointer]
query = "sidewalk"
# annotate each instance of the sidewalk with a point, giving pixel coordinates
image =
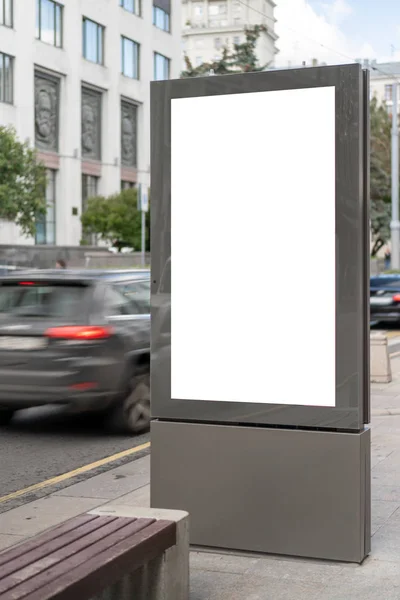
(229, 576)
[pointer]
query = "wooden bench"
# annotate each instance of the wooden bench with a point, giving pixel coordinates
(83, 557)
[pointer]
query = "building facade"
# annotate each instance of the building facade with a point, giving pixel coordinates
(75, 81)
(382, 77)
(210, 25)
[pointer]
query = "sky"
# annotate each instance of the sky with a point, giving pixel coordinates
(337, 31)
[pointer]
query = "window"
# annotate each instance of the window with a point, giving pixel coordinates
(199, 61)
(129, 58)
(6, 13)
(161, 67)
(49, 22)
(89, 190)
(198, 10)
(217, 43)
(6, 78)
(46, 224)
(117, 303)
(161, 18)
(213, 9)
(132, 6)
(93, 41)
(138, 294)
(388, 92)
(127, 185)
(43, 300)
(236, 40)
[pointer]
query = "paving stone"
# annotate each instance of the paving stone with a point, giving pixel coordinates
(223, 563)
(37, 516)
(381, 512)
(251, 588)
(140, 497)
(9, 540)
(208, 585)
(111, 484)
(304, 571)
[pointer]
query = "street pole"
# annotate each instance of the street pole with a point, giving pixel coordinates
(395, 224)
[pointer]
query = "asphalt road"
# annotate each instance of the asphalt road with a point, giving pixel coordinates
(42, 443)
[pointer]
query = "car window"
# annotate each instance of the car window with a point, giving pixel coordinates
(117, 303)
(42, 300)
(138, 293)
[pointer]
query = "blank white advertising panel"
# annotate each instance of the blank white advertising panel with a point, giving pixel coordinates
(253, 247)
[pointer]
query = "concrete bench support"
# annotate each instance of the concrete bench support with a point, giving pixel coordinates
(166, 577)
(381, 371)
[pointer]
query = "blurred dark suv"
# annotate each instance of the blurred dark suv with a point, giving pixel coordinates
(80, 339)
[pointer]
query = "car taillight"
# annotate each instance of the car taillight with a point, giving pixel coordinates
(81, 333)
(396, 298)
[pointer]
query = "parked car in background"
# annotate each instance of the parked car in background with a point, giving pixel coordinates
(385, 299)
(77, 338)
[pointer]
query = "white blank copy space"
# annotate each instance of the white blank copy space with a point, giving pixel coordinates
(253, 247)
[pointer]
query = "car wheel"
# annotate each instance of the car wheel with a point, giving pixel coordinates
(133, 414)
(5, 416)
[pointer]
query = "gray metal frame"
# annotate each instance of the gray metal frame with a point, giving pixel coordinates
(352, 269)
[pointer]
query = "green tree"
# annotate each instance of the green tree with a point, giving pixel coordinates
(22, 182)
(116, 219)
(242, 60)
(380, 210)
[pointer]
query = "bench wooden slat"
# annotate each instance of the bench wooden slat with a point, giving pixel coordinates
(63, 560)
(58, 549)
(99, 572)
(47, 536)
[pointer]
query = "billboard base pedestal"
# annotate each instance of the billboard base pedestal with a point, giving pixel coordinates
(278, 491)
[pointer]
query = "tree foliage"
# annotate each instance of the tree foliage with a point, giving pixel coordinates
(242, 60)
(380, 123)
(22, 182)
(116, 219)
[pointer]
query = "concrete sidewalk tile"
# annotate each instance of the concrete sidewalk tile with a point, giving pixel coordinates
(386, 543)
(375, 579)
(222, 563)
(301, 571)
(381, 512)
(6, 540)
(251, 588)
(140, 497)
(108, 485)
(387, 493)
(37, 516)
(208, 585)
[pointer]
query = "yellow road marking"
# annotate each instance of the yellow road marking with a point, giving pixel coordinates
(59, 478)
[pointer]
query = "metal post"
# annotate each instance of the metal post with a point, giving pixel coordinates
(143, 237)
(395, 224)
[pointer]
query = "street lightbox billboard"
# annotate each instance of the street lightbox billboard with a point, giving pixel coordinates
(259, 249)
(252, 217)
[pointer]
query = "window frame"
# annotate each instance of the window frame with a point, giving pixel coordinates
(90, 238)
(10, 4)
(157, 10)
(3, 80)
(100, 29)
(168, 62)
(136, 46)
(60, 7)
(137, 10)
(51, 175)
